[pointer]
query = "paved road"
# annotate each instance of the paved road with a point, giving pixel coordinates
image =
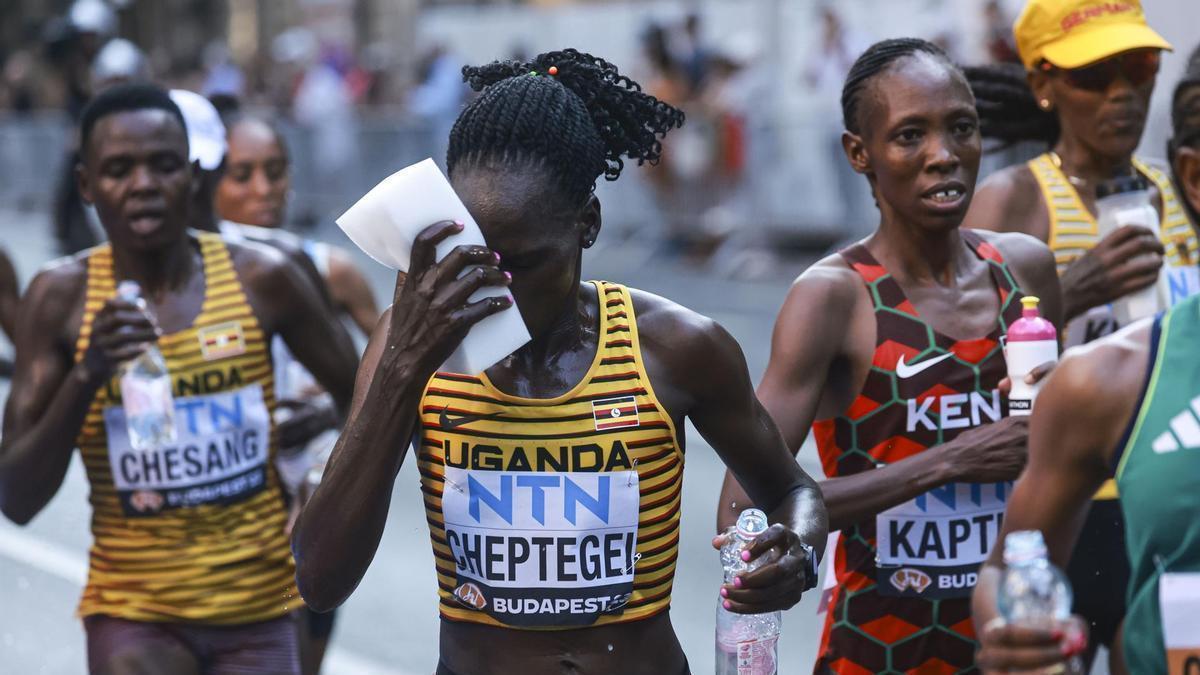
(390, 624)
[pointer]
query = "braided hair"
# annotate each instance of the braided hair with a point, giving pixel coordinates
(1185, 120)
(1008, 110)
(878, 58)
(568, 113)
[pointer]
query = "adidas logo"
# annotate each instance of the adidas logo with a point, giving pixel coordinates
(1184, 432)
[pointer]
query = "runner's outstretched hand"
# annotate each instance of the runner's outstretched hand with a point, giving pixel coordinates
(1016, 649)
(992, 452)
(431, 313)
(776, 585)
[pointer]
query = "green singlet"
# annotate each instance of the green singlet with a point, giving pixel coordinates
(1159, 482)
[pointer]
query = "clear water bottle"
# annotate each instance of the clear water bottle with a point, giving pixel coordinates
(146, 390)
(1121, 201)
(747, 644)
(1033, 592)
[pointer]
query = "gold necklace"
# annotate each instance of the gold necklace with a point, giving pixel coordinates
(1076, 180)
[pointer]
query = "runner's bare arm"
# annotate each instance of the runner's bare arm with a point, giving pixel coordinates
(1070, 448)
(727, 414)
(350, 291)
(50, 394)
(9, 296)
(291, 305)
(339, 530)
(814, 330)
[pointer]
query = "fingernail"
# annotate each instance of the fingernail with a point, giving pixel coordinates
(724, 592)
(746, 556)
(727, 604)
(1029, 379)
(459, 225)
(510, 300)
(737, 581)
(508, 276)
(496, 256)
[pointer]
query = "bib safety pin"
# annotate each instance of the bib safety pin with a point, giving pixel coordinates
(636, 558)
(632, 473)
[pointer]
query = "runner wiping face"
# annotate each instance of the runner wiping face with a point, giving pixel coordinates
(538, 233)
(135, 172)
(920, 143)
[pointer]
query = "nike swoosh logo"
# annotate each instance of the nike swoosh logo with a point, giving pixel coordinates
(907, 370)
(447, 422)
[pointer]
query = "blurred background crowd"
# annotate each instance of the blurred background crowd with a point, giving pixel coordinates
(364, 87)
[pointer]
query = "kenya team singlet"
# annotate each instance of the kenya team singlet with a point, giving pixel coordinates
(191, 532)
(904, 578)
(554, 513)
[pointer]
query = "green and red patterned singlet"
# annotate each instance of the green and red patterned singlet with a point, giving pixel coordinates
(904, 578)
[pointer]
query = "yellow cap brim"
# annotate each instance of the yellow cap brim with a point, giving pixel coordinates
(1075, 51)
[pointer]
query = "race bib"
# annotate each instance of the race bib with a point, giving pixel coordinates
(1179, 602)
(219, 456)
(542, 549)
(1182, 283)
(932, 546)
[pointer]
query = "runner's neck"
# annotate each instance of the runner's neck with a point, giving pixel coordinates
(158, 271)
(1086, 165)
(573, 328)
(916, 254)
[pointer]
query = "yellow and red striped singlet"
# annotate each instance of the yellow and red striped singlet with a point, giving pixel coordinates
(192, 531)
(560, 512)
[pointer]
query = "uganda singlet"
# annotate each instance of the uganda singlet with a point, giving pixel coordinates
(1159, 478)
(191, 532)
(560, 512)
(904, 578)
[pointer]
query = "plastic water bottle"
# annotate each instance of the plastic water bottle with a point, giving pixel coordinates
(747, 644)
(1033, 592)
(1126, 201)
(146, 390)
(1031, 341)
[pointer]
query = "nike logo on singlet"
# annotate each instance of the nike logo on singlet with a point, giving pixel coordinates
(447, 422)
(907, 370)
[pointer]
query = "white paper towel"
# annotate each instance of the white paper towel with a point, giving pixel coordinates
(386, 221)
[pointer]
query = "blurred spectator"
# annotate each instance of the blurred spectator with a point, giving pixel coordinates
(224, 78)
(76, 225)
(118, 61)
(437, 98)
(692, 54)
(324, 107)
(999, 34)
(825, 72)
(17, 85)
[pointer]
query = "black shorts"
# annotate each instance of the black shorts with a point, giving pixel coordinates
(1099, 570)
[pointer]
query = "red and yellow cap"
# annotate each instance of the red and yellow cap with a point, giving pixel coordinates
(1075, 33)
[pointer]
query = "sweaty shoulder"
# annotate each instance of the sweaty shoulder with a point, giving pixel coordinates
(671, 330)
(1108, 375)
(54, 300)
(1009, 200)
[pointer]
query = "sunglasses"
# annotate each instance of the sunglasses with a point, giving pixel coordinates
(1138, 68)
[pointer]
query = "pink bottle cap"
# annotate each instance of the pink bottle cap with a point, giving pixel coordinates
(1031, 326)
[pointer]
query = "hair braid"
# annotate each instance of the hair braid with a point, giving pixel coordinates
(579, 123)
(1008, 110)
(876, 59)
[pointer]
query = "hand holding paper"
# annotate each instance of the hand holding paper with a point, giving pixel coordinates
(386, 222)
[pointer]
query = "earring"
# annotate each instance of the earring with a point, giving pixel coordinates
(1044, 103)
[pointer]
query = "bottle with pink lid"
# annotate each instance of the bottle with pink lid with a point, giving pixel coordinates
(1031, 341)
